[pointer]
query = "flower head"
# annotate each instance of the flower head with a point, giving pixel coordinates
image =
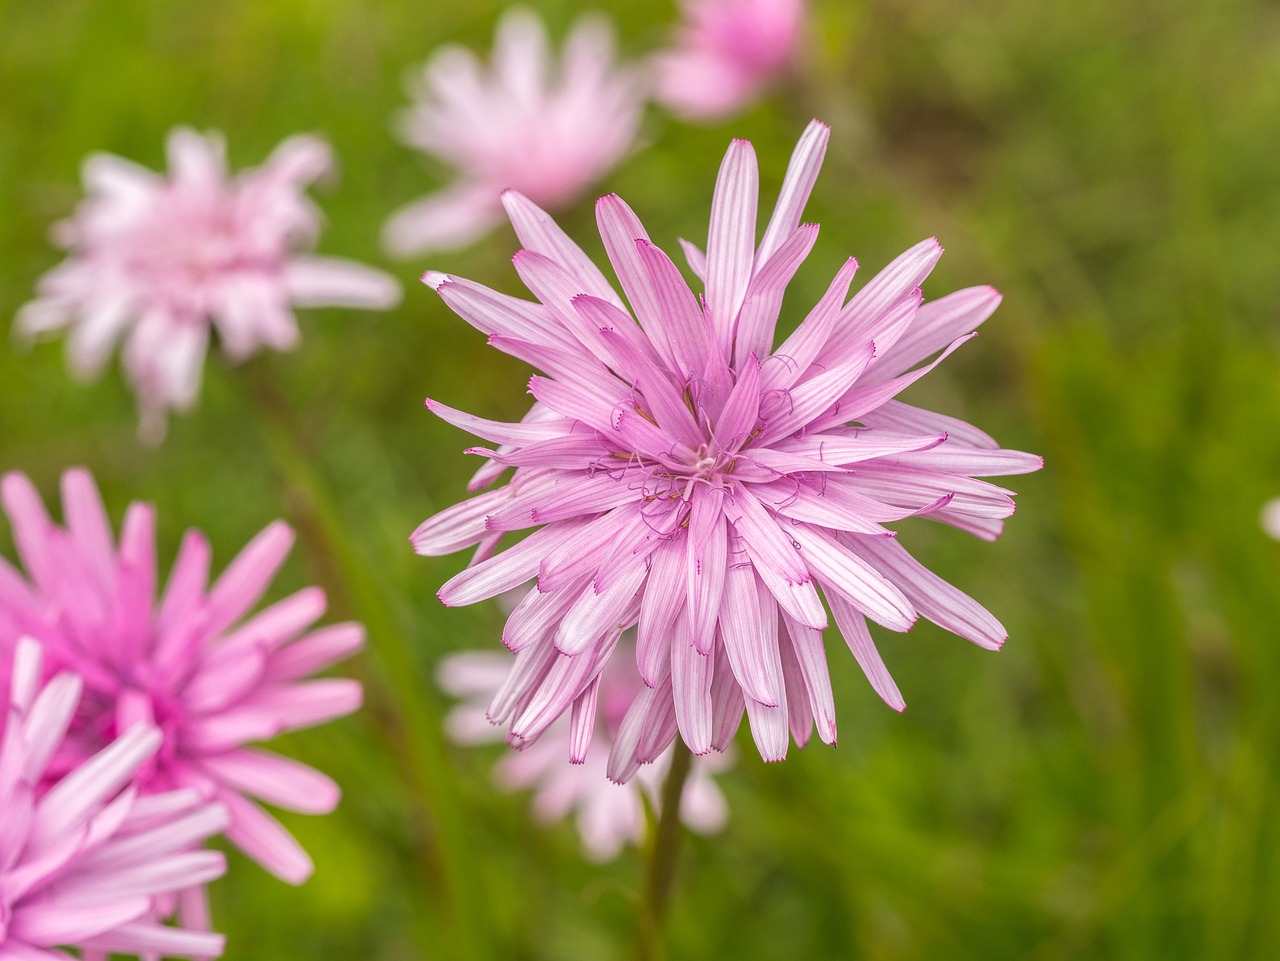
(689, 478)
(82, 857)
(548, 131)
(190, 664)
(160, 259)
(568, 776)
(726, 52)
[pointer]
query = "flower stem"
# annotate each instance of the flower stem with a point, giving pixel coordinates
(666, 851)
(404, 715)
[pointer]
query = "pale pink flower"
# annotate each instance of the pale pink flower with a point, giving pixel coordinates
(726, 53)
(161, 259)
(82, 857)
(548, 130)
(569, 778)
(1269, 518)
(188, 662)
(690, 479)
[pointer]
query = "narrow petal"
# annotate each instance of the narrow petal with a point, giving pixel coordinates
(797, 185)
(538, 232)
(731, 239)
(314, 281)
(945, 605)
(691, 688)
(265, 839)
(842, 573)
(854, 628)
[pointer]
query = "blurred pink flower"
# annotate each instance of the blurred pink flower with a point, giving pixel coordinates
(525, 124)
(726, 52)
(82, 858)
(690, 478)
(570, 778)
(1269, 518)
(188, 663)
(160, 259)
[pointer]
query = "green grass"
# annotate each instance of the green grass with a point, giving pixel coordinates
(1103, 788)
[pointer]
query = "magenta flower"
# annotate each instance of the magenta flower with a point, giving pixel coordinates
(726, 52)
(212, 681)
(82, 858)
(160, 259)
(570, 778)
(689, 479)
(548, 131)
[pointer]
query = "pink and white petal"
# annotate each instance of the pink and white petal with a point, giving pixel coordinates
(313, 281)
(944, 604)
(50, 924)
(731, 239)
(277, 780)
(797, 185)
(247, 577)
(449, 220)
(265, 839)
(854, 628)
(148, 939)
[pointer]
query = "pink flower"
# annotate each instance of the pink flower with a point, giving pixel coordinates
(726, 53)
(687, 478)
(1269, 518)
(547, 131)
(160, 259)
(608, 815)
(190, 664)
(82, 858)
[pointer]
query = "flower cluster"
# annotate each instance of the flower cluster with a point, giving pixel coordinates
(189, 666)
(84, 858)
(687, 477)
(608, 815)
(161, 260)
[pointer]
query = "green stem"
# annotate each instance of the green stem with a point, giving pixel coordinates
(396, 697)
(666, 851)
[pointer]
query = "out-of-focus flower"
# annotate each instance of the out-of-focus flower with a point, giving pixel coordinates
(725, 53)
(569, 777)
(82, 857)
(190, 663)
(548, 131)
(687, 478)
(160, 259)
(1269, 518)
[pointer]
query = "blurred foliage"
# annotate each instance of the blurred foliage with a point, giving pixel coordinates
(1104, 788)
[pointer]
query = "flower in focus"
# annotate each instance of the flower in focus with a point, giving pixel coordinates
(160, 259)
(726, 52)
(688, 477)
(82, 857)
(548, 131)
(608, 815)
(1269, 518)
(190, 664)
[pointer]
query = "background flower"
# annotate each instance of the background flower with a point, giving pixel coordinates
(548, 130)
(161, 259)
(82, 857)
(212, 680)
(691, 479)
(570, 777)
(725, 53)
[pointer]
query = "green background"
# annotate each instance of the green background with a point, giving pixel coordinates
(1103, 788)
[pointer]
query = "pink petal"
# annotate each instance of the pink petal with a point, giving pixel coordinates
(314, 281)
